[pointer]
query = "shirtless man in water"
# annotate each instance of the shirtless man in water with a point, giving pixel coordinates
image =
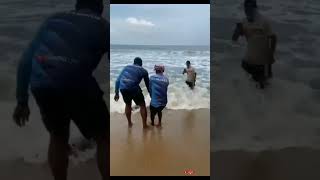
(261, 43)
(191, 75)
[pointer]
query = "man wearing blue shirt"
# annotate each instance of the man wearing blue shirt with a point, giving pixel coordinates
(128, 84)
(58, 65)
(158, 89)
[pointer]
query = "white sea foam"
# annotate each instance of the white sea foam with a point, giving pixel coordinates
(174, 58)
(179, 97)
(287, 112)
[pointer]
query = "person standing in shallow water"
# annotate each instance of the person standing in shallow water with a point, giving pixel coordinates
(261, 43)
(158, 90)
(191, 75)
(128, 83)
(58, 65)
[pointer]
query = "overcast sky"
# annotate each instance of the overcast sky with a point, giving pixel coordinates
(162, 24)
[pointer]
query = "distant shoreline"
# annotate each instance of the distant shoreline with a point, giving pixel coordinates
(162, 47)
(159, 45)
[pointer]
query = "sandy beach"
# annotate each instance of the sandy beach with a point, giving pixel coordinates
(182, 143)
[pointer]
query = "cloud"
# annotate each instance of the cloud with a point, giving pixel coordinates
(139, 22)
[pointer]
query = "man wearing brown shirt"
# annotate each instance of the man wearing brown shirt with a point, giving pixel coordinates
(261, 43)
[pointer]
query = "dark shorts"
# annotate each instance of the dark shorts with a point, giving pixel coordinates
(258, 72)
(155, 110)
(137, 97)
(87, 110)
(190, 84)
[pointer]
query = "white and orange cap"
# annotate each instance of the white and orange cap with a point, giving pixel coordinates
(159, 67)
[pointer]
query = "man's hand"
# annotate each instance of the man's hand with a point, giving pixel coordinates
(21, 115)
(184, 71)
(116, 97)
(238, 31)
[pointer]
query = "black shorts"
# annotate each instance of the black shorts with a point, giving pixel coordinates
(137, 97)
(155, 110)
(258, 72)
(190, 84)
(87, 110)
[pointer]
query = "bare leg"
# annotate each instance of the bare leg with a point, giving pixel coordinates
(160, 117)
(58, 156)
(103, 156)
(143, 112)
(153, 114)
(128, 114)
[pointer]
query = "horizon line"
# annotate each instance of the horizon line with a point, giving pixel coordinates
(159, 45)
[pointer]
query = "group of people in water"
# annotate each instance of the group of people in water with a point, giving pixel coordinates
(157, 85)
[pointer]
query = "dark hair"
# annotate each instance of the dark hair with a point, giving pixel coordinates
(137, 61)
(188, 62)
(95, 5)
(252, 3)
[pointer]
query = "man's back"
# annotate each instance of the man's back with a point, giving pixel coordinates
(159, 87)
(131, 77)
(68, 48)
(64, 53)
(257, 34)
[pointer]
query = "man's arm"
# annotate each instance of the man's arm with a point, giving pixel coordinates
(271, 35)
(238, 31)
(21, 112)
(184, 71)
(273, 42)
(116, 96)
(24, 70)
(147, 81)
(117, 85)
(150, 86)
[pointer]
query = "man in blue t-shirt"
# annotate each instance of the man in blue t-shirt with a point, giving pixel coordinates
(58, 66)
(128, 84)
(158, 89)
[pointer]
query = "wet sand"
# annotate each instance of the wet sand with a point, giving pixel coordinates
(282, 164)
(182, 143)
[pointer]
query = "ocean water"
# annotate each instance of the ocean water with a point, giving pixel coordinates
(173, 58)
(285, 114)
